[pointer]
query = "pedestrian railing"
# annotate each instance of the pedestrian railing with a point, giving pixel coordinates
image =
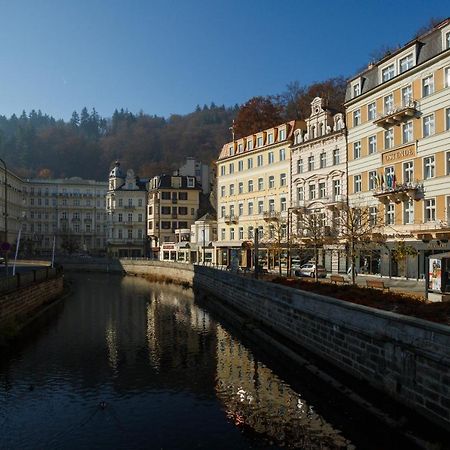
(19, 280)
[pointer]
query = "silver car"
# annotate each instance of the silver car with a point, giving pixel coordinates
(309, 270)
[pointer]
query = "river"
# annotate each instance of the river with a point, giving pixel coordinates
(125, 363)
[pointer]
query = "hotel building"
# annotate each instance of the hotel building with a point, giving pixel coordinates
(398, 119)
(253, 179)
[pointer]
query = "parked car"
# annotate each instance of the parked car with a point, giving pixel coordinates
(2, 260)
(309, 270)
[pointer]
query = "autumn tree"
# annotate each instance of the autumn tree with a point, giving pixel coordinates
(275, 235)
(259, 113)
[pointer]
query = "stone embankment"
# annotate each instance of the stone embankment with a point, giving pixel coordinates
(405, 357)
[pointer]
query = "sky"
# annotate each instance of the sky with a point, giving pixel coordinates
(166, 56)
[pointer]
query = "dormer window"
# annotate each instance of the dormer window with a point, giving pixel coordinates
(281, 135)
(249, 145)
(270, 138)
(447, 40)
(230, 150)
(406, 63)
(190, 182)
(240, 148)
(356, 90)
(259, 141)
(388, 73)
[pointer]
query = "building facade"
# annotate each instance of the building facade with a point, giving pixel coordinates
(173, 203)
(126, 205)
(398, 119)
(202, 173)
(253, 187)
(319, 177)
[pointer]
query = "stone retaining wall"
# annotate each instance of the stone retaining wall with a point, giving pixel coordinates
(407, 358)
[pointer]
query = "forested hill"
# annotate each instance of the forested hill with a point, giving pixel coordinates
(36, 144)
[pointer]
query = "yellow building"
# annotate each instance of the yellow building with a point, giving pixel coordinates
(173, 202)
(253, 182)
(398, 119)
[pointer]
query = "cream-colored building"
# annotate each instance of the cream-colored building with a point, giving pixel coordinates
(398, 119)
(319, 177)
(126, 202)
(69, 211)
(253, 182)
(173, 203)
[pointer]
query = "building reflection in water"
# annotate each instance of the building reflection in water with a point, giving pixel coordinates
(256, 398)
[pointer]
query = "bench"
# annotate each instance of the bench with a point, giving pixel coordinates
(338, 279)
(376, 284)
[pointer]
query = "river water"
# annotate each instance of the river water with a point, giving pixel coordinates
(125, 363)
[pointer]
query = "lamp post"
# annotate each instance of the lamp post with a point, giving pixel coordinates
(6, 216)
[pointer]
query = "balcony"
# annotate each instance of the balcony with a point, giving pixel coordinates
(271, 216)
(231, 219)
(336, 202)
(399, 193)
(397, 115)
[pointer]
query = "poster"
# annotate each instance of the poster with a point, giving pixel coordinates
(434, 274)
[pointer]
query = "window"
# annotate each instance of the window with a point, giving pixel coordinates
(259, 141)
(182, 196)
(312, 191)
(407, 132)
(336, 156)
(240, 166)
(390, 214)
(250, 185)
(271, 205)
(222, 170)
(447, 77)
(373, 215)
(249, 144)
(250, 163)
(356, 89)
(165, 225)
(231, 167)
(388, 103)
(447, 119)
(222, 234)
(427, 86)
(270, 138)
(428, 125)
(336, 188)
(250, 232)
(241, 187)
(120, 218)
(260, 184)
(121, 202)
(241, 233)
(222, 191)
(232, 210)
(357, 150)
(407, 95)
(250, 208)
(222, 211)
(281, 135)
(323, 160)
(259, 160)
(271, 158)
(388, 73)
(260, 207)
(240, 209)
(357, 183)
(282, 153)
(448, 163)
(165, 209)
(408, 211)
(231, 234)
(406, 63)
(271, 182)
(372, 144)
(430, 210)
(283, 206)
(428, 167)
(282, 179)
(310, 162)
(356, 117)
(372, 179)
(322, 190)
(447, 40)
(371, 111)
(408, 172)
(389, 173)
(240, 148)
(389, 138)
(300, 164)
(231, 189)
(182, 210)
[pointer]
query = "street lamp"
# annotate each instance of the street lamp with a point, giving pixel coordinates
(6, 216)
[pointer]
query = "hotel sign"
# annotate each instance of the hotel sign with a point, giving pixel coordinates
(399, 155)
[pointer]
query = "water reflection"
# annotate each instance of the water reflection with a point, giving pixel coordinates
(168, 375)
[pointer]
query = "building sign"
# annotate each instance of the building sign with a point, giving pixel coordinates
(434, 274)
(399, 155)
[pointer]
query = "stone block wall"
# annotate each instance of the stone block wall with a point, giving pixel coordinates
(19, 304)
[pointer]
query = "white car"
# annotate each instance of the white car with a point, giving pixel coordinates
(309, 270)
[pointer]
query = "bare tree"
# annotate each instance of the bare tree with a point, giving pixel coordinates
(400, 254)
(276, 234)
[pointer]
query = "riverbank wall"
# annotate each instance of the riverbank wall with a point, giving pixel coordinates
(24, 295)
(405, 357)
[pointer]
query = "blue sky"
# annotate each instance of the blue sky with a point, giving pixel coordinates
(167, 56)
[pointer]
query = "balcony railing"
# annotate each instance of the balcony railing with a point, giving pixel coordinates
(231, 219)
(271, 216)
(397, 114)
(399, 192)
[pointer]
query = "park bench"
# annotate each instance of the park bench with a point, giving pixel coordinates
(376, 284)
(338, 279)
